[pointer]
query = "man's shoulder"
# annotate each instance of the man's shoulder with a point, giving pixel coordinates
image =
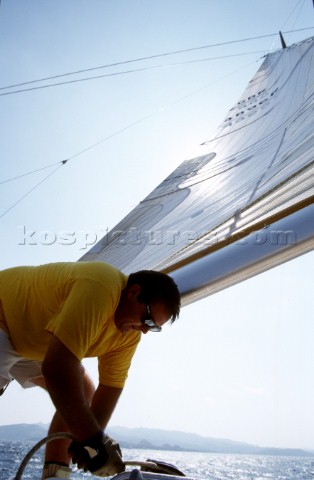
(101, 268)
(101, 272)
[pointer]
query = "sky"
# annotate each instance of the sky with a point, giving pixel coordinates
(238, 364)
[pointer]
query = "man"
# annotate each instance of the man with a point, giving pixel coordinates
(51, 317)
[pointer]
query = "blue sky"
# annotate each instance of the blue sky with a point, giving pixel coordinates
(236, 365)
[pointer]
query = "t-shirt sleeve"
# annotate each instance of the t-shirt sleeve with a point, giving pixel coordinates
(82, 316)
(114, 366)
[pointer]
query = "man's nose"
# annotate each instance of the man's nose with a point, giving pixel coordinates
(144, 329)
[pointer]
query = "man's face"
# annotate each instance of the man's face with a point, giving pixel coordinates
(131, 312)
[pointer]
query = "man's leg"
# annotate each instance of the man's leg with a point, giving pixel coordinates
(57, 450)
(56, 458)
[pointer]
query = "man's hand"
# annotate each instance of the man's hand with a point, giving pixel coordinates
(100, 454)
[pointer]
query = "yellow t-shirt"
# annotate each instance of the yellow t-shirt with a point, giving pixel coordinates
(74, 301)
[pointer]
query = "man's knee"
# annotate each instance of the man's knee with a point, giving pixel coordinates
(39, 382)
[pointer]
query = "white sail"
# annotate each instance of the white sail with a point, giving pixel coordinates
(246, 203)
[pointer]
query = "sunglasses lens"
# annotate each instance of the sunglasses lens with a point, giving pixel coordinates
(149, 322)
(152, 326)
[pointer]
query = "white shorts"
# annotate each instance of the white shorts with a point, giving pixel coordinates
(13, 366)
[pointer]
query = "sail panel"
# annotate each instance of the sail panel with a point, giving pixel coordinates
(257, 169)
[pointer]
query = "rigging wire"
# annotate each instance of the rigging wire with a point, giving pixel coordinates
(129, 71)
(159, 110)
(63, 162)
(59, 164)
(31, 172)
(149, 57)
(30, 191)
(301, 3)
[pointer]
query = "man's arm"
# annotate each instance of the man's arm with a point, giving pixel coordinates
(104, 402)
(64, 378)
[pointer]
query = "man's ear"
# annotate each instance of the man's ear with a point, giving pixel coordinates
(134, 290)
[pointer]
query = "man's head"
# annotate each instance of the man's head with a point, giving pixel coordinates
(149, 300)
(157, 287)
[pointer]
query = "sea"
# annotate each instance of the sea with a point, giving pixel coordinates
(199, 466)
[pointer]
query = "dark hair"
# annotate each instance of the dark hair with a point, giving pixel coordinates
(157, 287)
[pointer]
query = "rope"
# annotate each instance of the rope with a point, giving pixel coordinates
(28, 456)
(59, 435)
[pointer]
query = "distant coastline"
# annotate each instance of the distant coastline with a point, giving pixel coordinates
(156, 439)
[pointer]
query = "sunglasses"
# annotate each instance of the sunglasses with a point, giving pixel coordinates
(148, 322)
